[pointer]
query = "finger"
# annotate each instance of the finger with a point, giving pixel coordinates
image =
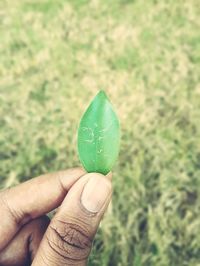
(23, 247)
(69, 236)
(33, 199)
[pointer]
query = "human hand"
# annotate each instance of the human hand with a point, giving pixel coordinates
(27, 237)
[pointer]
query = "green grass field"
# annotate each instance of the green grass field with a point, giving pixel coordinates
(54, 57)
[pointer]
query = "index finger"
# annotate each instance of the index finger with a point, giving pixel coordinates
(33, 198)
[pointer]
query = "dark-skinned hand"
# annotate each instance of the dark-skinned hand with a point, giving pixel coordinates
(28, 237)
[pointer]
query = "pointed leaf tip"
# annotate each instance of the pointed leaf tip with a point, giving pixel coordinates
(102, 93)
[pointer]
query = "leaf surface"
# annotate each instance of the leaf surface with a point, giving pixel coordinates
(99, 136)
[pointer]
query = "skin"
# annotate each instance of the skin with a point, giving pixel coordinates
(28, 237)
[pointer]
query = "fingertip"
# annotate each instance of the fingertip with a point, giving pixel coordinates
(97, 175)
(72, 174)
(78, 171)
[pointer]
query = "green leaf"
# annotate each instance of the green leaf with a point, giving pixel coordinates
(99, 136)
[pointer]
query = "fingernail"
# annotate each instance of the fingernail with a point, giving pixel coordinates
(95, 193)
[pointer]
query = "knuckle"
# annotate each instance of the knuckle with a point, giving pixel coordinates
(17, 217)
(69, 240)
(14, 217)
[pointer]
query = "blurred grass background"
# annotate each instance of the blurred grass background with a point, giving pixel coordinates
(54, 57)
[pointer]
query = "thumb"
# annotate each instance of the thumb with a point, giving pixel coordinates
(69, 237)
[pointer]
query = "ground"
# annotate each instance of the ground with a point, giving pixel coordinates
(55, 57)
